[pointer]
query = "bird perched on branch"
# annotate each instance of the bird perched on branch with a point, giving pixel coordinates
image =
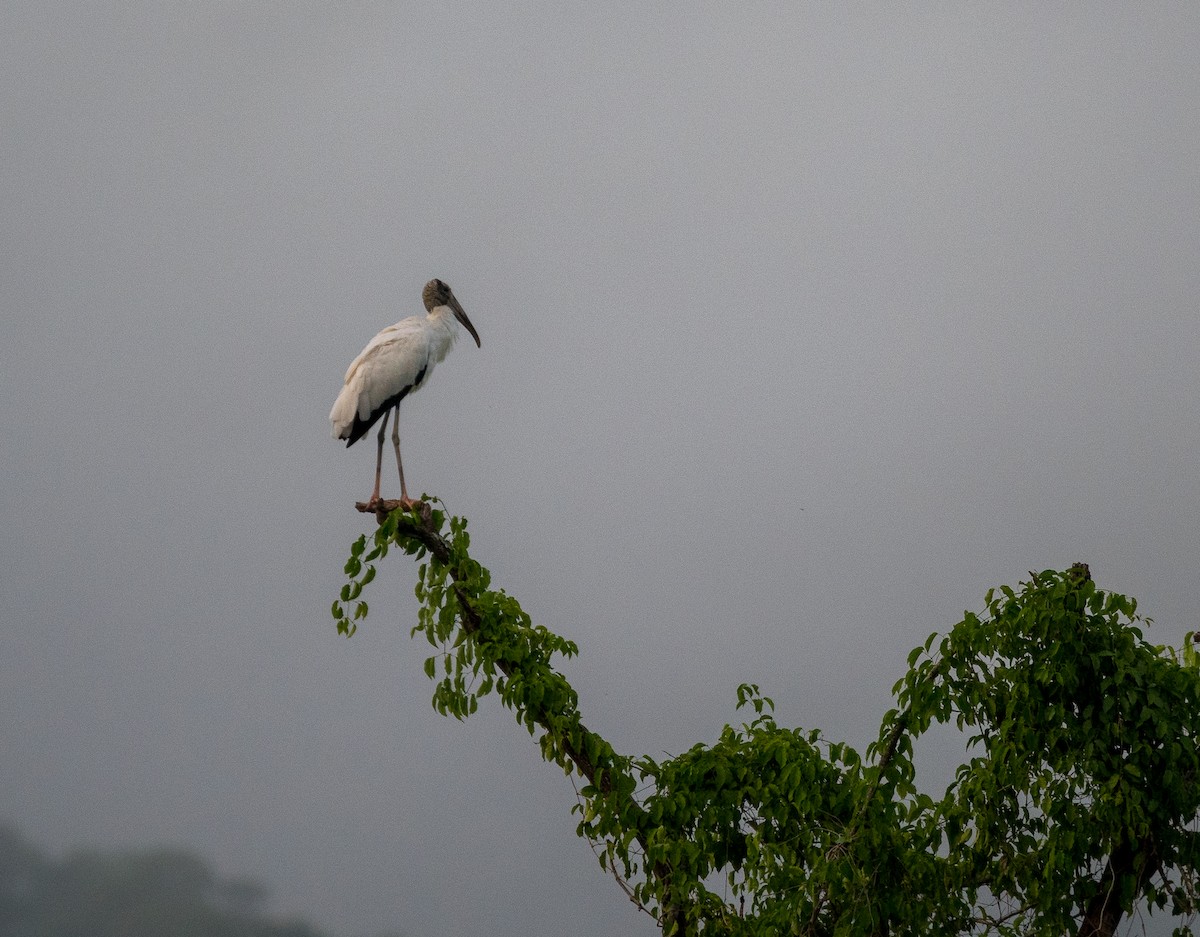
(395, 363)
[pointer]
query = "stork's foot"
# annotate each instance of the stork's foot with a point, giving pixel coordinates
(423, 509)
(382, 507)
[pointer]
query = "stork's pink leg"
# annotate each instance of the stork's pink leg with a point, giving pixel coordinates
(405, 500)
(379, 454)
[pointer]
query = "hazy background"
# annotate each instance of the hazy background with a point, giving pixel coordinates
(802, 326)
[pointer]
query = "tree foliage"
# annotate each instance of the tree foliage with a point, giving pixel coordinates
(1075, 806)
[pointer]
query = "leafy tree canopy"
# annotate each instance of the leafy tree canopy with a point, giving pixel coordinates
(1076, 803)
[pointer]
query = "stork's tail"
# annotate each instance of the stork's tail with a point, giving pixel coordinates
(344, 414)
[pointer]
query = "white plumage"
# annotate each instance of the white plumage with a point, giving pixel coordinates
(395, 363)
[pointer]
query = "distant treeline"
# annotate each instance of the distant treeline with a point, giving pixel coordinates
(150, 893)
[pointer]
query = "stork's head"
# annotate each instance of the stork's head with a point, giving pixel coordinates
(437, 294)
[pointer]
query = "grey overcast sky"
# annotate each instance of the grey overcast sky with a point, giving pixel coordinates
(802, 326)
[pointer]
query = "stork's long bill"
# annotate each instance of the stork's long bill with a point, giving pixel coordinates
(461, 316)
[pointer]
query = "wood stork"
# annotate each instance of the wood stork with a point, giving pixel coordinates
(395, 363)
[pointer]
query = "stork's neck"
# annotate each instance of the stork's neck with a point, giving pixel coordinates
(443, 330)
(444, 317)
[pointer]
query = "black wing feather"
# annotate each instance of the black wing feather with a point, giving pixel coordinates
(361, 427)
